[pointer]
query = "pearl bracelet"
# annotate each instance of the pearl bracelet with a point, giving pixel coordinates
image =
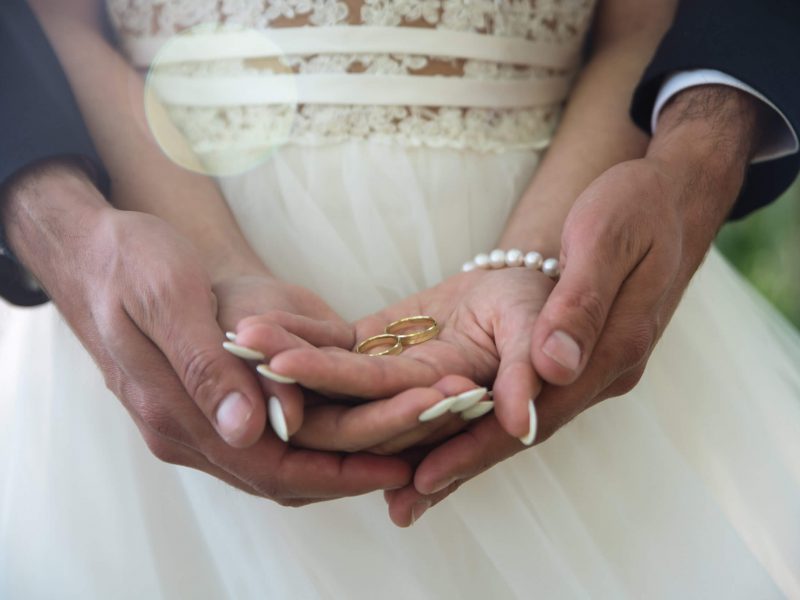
(498, 259)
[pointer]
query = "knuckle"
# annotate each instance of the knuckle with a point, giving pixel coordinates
(638, 346)
(160, 422)
(270, 488)
(201, 374)
(164, 450)
(628, 381)
(585, 309)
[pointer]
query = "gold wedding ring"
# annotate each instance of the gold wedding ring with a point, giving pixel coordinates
(390, 342)
(430, 329)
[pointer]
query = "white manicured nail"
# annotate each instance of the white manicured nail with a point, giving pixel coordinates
(477, 411)
(277, 419)
(438, 409)
(533, 424)
(230, 335)
(242, 352)
(467, 399)
(270, 374)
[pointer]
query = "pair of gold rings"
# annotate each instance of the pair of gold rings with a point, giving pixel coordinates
(398, 335)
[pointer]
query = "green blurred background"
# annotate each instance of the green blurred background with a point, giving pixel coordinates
(765, 247)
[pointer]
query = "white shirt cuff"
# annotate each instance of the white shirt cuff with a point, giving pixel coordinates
(780, 138)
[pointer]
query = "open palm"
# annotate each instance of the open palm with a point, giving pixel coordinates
(486, 320)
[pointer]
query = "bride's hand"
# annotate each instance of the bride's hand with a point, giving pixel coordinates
(277, 316)
(288, 316)
(486, 319)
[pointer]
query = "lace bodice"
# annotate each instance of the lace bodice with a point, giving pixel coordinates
(485, 75)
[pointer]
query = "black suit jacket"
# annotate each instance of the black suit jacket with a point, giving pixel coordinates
(756, 42)
(39, 119)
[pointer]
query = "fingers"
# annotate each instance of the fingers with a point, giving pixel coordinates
(450, 465)
(223, 387)
(391, 424)
(574, 315)
(603, 247)
(407, 505)
(295, 476)
(316, 332)
(337, 371)
(285, 402)
(517, 385)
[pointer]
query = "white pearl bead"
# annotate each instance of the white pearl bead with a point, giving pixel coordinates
(533, 260)
(482, 261)
(497, 259)
(514, 258)
(468, 266)
(550, 267)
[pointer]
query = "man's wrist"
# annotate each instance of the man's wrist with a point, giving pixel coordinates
(46, 208)
(708, 135)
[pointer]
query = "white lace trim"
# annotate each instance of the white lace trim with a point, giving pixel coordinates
(547, 20)
(229, 129)
(212, 130)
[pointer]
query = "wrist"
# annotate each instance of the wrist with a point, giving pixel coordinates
(45, 210)
(708, 135)
(234, 263)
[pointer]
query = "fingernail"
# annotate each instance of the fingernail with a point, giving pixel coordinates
(230, 335)
(242, 352)
(477, 411)
(468, 399)
(232, 415)
(438, 409)
(533, 423)
(418, 509)
(270, 374)
(563, 349)
(277, 419)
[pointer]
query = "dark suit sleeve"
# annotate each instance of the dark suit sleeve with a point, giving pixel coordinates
(757, 42)
(39, 120)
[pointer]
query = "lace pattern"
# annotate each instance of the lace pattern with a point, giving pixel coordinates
(211, 130)
(487, 130)
(546, 20)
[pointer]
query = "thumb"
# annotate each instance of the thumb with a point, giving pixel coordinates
(572, 320)
(221, 385)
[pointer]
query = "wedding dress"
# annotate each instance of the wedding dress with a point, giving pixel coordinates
(413, 129)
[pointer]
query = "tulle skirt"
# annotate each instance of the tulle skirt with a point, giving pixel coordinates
(687, 487)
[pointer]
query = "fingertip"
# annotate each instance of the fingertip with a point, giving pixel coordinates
(239, 420)
(401, 503)
(513, 391)
(558, 358)
(291, 404)
(277, 419)
(513, 418)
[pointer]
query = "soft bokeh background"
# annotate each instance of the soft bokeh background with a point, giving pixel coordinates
(765, 247)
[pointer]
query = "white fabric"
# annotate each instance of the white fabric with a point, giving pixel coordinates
(482, 76)
(361, 39)
(371, 90)
(780, 139)
(689, 487)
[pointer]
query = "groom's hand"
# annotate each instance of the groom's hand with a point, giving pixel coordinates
(636, 236)
(630, 246)
(138, 297)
